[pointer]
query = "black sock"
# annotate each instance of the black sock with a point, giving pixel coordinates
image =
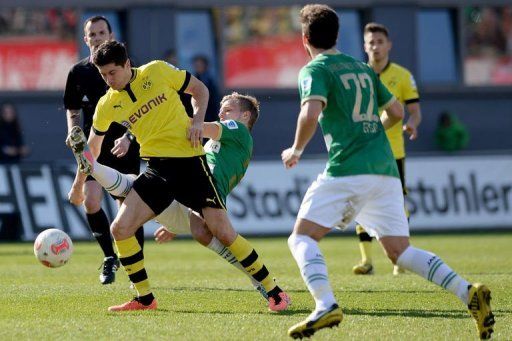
(139, 234)
(146, 299)
(100, 228)
(275, 294)
(364, 237)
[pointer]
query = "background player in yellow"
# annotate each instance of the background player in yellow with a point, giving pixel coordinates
(400, 82)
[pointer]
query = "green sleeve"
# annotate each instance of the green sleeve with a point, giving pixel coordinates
(314, 83)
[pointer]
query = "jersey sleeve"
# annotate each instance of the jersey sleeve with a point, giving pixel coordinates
(101, 121)
(384, 97)
(410, 91)
(232, 131)
(314, 83)
(178, 79)
(72, 96)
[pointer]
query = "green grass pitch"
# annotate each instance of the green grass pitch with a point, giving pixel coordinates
(203, 298)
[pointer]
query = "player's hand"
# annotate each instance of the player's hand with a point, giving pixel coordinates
(289, 158)
(195, 134)
(76, 194)
(411, 131)
(162, 235)
(121, 146)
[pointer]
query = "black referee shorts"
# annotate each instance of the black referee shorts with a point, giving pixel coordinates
(187, 180)
(401, 170)
(129, 163)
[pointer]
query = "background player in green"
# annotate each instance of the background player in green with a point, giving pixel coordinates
(400, 82)
(360, 180)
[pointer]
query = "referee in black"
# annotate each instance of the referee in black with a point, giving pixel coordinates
(84, 87)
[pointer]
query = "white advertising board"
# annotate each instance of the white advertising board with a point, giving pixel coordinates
(444, 193)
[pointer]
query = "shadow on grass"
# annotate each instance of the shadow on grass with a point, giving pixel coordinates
(209, 289)
(452, 314)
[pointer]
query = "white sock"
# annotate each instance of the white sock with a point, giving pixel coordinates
(114, 182)
(219, 248)
(432, 268)
(313, 269)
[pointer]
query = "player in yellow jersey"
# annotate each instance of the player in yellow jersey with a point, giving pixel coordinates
(146, 100)
(401, 84)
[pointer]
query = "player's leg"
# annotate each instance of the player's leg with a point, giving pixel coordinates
(148, 197)
(200, 194)
(220, 226)
(100, 228)
(303, 244)
(400, 163)
(314, 220)
(365, 267)
(393, 234)
(204, 237)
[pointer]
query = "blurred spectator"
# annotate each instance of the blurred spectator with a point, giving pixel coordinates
(12, 148)
(200, 65)
(451, 135)
(487, 37)
(171, 58)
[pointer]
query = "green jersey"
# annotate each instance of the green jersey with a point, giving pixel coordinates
(229, 156)
(352, 95)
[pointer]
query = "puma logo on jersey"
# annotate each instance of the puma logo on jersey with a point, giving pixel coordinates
(210, 200)
(116, 106)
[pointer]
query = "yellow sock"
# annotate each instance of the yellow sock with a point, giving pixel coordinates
(247, 256)
(132, 259)
(365, 245)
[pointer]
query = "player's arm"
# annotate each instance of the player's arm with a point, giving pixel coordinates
(412, 104)
(414, 120)
(73, 118)
(307, 123)
(72, 100)
(392, 114)
(212, 130)
(200, 95)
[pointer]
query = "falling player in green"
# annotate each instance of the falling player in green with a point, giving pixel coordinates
(361, 180)
(228, 153)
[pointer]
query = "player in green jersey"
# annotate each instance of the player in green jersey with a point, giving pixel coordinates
(228, 153)
(361, 180)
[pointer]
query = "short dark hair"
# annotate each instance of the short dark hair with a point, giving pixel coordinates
(374, 27)
(97, 18)
(110, 52)
(246, 103)
(320, 25)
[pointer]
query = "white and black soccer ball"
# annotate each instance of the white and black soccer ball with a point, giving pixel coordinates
(53, 248)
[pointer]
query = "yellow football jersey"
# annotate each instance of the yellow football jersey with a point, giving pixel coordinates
(400, 83)
(150, 107)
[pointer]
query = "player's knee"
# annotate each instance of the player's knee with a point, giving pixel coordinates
(119, 231)
(201, 235)
(292, 240)
(92, 205)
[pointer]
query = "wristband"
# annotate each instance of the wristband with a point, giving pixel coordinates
(130, 136)
(297, 152)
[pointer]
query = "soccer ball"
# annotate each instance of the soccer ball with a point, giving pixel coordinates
(53, 248)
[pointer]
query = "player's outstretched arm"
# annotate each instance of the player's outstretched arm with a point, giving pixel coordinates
(200, 96)
(412, 124)
(212, 130)
(392, 114)
(306, 127)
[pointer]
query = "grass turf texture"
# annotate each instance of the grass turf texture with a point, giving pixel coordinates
(202, 297)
